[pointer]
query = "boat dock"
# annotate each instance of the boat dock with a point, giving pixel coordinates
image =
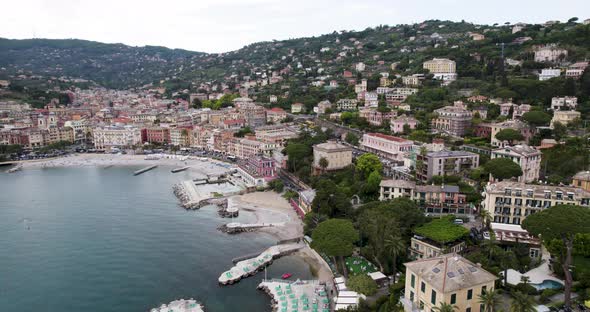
(296, 296)
(250, 267)
(181, 305)
(146, 169)
(179, 169)
(236, 227)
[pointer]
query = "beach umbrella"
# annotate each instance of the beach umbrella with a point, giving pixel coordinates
(284, 309)
(284, 303)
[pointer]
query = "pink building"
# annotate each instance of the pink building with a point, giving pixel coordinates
(397, 124)
(375, 117)
(387, 146)
(276, 115)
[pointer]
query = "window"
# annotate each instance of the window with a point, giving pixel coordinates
(483, 289)
(422, 287)
(433, 297)
(412, 296)
(453, 298)
(413, 280)
(469, 294)
(468, 310)
(481, 308)
(421, 305)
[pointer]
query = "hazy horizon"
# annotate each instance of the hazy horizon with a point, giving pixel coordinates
(217, 26)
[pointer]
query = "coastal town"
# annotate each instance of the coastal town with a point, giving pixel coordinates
(454, 181)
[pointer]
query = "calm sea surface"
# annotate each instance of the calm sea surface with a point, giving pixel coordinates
(95, 239)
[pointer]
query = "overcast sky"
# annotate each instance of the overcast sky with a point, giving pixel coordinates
(226, 25)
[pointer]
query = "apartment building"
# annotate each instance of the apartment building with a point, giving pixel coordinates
(338, 156)
(413, 80)
(448, 278)
(528, 158)
(376, 117)
(511, 202)
(346, 104)
(582, 180)
(398, 124)
(564, 117)
(399, 94)
(180, 136)
(158, 135)
(434, 199)
(442, 69)
(246, 148)
(576, 70)
(257, 171)
(323, 106)
(548, 73)
(453, 120)
(276, 115)
(567, 102)
(371, 99)
(108, 137)
(444, 163)
(391, 147)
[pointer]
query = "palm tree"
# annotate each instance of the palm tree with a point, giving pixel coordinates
(445, 307)
(490, 299)
(485, 216)
(522, 303)
(394, 246)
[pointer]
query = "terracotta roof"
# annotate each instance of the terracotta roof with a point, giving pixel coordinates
(389, 137)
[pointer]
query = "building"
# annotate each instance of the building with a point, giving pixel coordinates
(399, 94)
(548, 73)
(423, 248)
(180, 136)
(550, 54)
(391, 147)
(442, 69)
(568, 102)
(453, 120)
(399, 124)
(323, 106)
(564, 117)
(528, 158)
(371, 99)
(361, 87)
(297, 108)
(576, 70)
(582, 180)
(511, 202)
(346, 104)
(443, 163)
(433, 199)
(448, 278)
(376, 117)
(411, 81)
(109, 137)
(511, 235)
(517, 110)
(243, 103)
(246, 148)
(526, 131)
(338, 156)
(157, 135)
(360, 66)
(257, 171)
(276, 115)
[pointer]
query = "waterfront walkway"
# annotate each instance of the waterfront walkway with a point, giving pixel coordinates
(296, 296)
(180, 306)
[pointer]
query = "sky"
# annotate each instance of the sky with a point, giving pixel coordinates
(216, 26)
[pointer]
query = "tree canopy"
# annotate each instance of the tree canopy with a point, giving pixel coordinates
(503, 168)
(536, 118)
(368, 163)
(335, 237)
(363, 284)
(509, 135)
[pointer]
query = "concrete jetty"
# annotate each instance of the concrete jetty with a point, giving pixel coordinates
(250, 267)
(175, 170)
(236, 227)
(146, 169)
(181, 305)
(191, 198)
(296, 296)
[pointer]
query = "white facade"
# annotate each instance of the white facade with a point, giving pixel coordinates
(558, 103)
(528, 158)
(386, 145)
(548, 73)
(550, 54)
(346, 104)
(108, 137)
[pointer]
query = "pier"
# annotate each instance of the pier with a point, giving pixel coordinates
(250, 267)
(193, 198)
(181, 305)
(146, 169)
(179, 169)
(236, 227)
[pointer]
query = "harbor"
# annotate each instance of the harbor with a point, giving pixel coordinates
(296, 296)
(181, 305)
(250, 267)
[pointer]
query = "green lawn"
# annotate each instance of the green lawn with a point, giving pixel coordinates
(359, 265)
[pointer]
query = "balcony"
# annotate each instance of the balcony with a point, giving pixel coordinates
(409, 305)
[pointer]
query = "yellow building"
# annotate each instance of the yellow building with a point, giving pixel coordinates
(448, 279)
(338, 156)
(440, 66)
(582, 180)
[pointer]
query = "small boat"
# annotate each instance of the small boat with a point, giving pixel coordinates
(287, 275)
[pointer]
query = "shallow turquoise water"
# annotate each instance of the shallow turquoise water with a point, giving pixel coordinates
(105, 240)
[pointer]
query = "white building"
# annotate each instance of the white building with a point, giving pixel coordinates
(371, 99)
(548, 73)
(550, 54)
(387, 146)
(108, 137)
(558, 103)
(528, 158)
(360, 66)
(346, 104)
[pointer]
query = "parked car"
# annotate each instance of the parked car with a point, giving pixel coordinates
(458, 221)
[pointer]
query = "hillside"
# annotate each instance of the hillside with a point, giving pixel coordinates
(299, 61)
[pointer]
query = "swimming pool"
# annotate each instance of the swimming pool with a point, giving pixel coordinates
(548, 284)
